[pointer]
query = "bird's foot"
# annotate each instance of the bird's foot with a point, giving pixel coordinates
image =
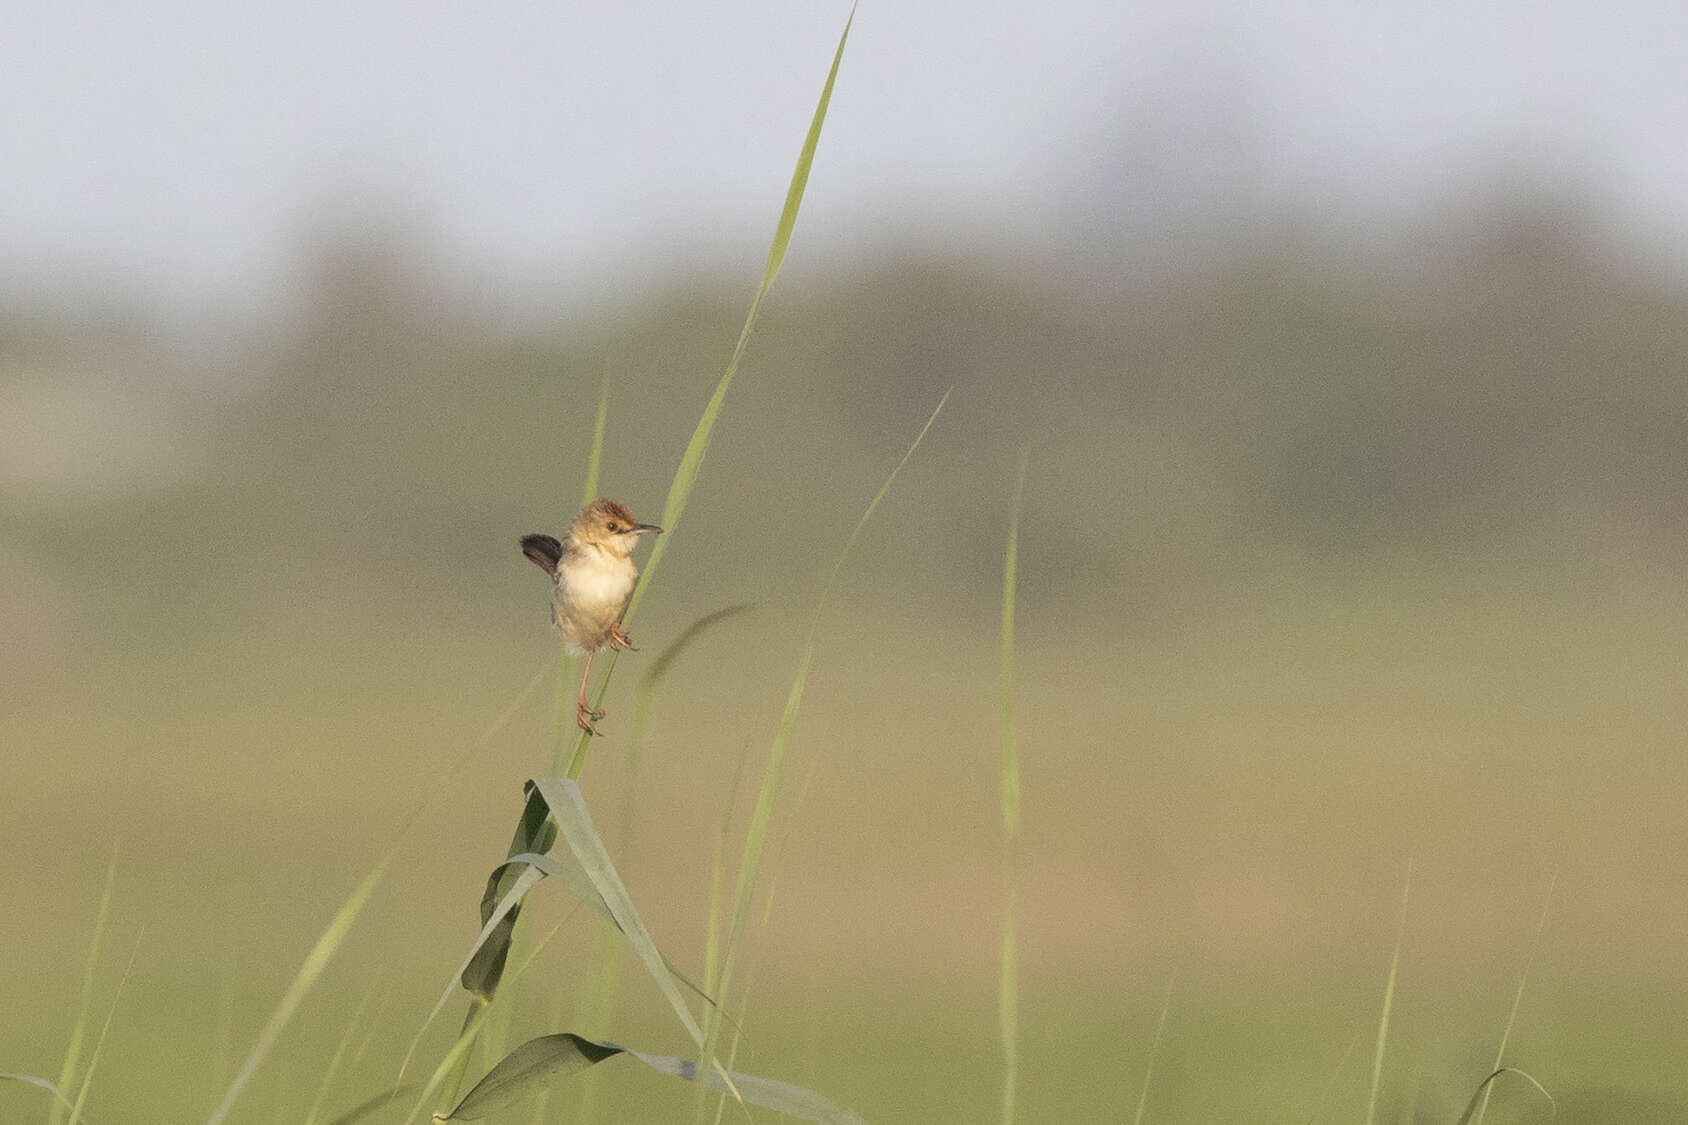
(584, 717)
(618, 639)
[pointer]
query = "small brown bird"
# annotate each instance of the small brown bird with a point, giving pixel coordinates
(593, 575)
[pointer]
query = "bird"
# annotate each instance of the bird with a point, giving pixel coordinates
(592, 575)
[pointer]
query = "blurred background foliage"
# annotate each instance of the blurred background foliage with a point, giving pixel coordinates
(1335, 550)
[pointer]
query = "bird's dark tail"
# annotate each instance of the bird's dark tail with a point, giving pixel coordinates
(545, 552)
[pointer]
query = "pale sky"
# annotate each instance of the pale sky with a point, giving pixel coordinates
(178, 147)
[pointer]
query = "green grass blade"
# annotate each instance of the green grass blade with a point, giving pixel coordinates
(756, 835)
(1008, 985)
(1388, 999)
(538, 1061)
(73, 1053)
(574, 824)
(1483, 1087)
(534, 868)
(340, 1049)
(1154, 1049)
(595, 459)
(316, 961)
(1517, 998)
(692, 459)
(99, 1043)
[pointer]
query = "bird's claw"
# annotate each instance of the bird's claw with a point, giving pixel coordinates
(620, 640)
(584, 717)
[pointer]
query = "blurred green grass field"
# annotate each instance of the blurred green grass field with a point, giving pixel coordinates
(1318, 571)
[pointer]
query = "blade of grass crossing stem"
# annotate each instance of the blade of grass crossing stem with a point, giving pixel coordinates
(456, 1061)
(73, 1052)
(1388, 999)
(1517, 998)
(691, 461)
(756, 835)
(534, 868)
(1154, 1048)
(99, 1043)
(1008, 992)
(316, 961)
(539, 1060)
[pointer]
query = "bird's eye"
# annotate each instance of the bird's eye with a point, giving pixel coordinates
(614, 526)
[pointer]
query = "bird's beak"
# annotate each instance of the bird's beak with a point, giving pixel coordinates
(641, 528)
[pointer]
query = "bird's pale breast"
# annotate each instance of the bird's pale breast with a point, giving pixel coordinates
(592, 589)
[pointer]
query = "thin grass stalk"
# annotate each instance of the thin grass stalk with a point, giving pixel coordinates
(99, 1042)
(316, 963)
(1388, 999)
(1008, 985)
(340, 1049)
(762, 923)
(691, 461)
(1517, 998)
(1154, 1048)
(73, 1052)
(756, 835)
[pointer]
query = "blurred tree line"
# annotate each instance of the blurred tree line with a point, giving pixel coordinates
(1497, 377)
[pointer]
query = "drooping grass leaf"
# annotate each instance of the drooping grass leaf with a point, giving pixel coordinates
(1517, 998)
(538, 1061)
(533, 869)
(59, 1100)
(1483, 1088)
(574, 825)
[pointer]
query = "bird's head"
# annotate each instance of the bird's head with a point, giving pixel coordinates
(609, 526)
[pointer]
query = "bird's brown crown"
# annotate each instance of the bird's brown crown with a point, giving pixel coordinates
(602, 521)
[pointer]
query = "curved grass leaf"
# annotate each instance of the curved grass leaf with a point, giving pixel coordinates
(1483, 1086)
(537, 1061)
(59, 1100)
(1518, 996)
(574, 824)
(534, 868)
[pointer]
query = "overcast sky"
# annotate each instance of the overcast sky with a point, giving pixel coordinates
(181, 146)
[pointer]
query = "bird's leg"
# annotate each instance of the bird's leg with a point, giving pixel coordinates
(584, 716)
(618, 639)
